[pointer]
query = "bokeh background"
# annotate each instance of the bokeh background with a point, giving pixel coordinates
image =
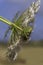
(32, 53)
(8, 9)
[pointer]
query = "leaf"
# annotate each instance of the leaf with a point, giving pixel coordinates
(13, 35)
(6, 32)
(26, 31)
(16, 17)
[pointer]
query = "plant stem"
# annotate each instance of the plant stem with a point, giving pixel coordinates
(9, 23)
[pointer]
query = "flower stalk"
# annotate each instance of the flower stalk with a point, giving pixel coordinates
(10, 23)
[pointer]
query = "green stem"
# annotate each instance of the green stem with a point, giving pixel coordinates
(9, 23)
